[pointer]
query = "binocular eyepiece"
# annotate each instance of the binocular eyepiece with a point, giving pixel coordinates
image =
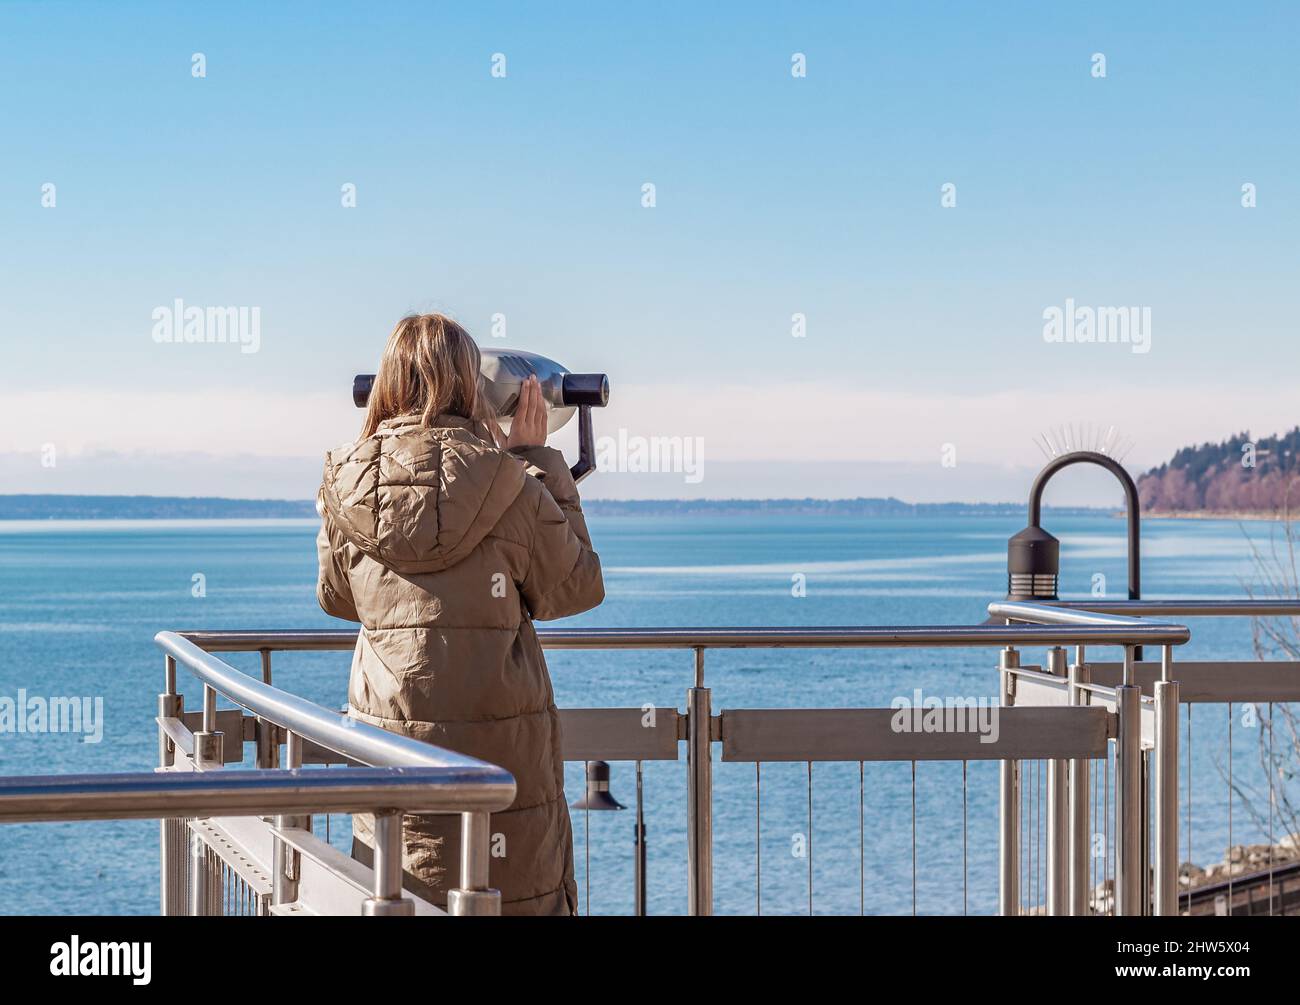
(575, 389)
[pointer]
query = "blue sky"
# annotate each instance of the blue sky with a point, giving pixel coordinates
(775, 195)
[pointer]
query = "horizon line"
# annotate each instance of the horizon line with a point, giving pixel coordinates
(593, 499)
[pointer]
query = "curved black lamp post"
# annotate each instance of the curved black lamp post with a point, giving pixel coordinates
(1034, 556)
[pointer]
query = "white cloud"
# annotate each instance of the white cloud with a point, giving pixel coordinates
(776, 439)
(823, 422)
(224, 423)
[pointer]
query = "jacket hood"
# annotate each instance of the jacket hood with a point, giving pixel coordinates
(419, 498)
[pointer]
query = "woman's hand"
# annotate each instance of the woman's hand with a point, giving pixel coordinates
(528, 427)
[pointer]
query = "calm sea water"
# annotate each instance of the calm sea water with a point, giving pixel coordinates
(80, 603)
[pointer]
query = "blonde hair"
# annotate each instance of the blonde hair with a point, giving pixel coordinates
(430, 367)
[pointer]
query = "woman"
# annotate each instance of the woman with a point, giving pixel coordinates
(446, 540)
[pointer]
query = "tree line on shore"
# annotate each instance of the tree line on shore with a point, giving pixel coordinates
(1239, 475)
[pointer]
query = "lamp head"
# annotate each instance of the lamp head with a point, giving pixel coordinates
(597, 796)
(1033, 565)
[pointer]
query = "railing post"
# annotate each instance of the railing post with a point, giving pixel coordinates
(1144, 844)
(1166, 789)
(1009, 803)
(474, 897)
(171, 833)
(200, 877)
(1057, 814)
(286, 859)
(208, 751)
(170, 706)
(1080, 826)
(388, 900)
(699, 806)
(268, 749)
(1128, 774)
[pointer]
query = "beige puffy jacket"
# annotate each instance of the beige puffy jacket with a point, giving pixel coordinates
(446, 549)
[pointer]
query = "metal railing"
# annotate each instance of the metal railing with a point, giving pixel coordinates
(211, 831)
(1068, 827)
(1074, 719)
(761, 735)
(1146, 789)
(462, 784)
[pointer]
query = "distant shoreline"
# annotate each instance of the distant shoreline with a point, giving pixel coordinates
(1209, 514)
(54, 507)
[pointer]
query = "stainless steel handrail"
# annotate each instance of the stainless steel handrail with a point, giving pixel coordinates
(239, 640)
(151, 795)
(1046, 614)
(1101, 630)
(1199, 608)
(438, 780)
(349, 737)
(404, 776)
(334, 639)
(889, 637)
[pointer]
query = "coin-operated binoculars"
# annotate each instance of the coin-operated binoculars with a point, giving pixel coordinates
(564, 393)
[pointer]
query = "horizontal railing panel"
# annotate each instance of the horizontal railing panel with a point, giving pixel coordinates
(1033, 687)
(331, 883)
(620, 734)
(1041, 690)
(1102, 696)
(869, 734)
(1214, 680)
